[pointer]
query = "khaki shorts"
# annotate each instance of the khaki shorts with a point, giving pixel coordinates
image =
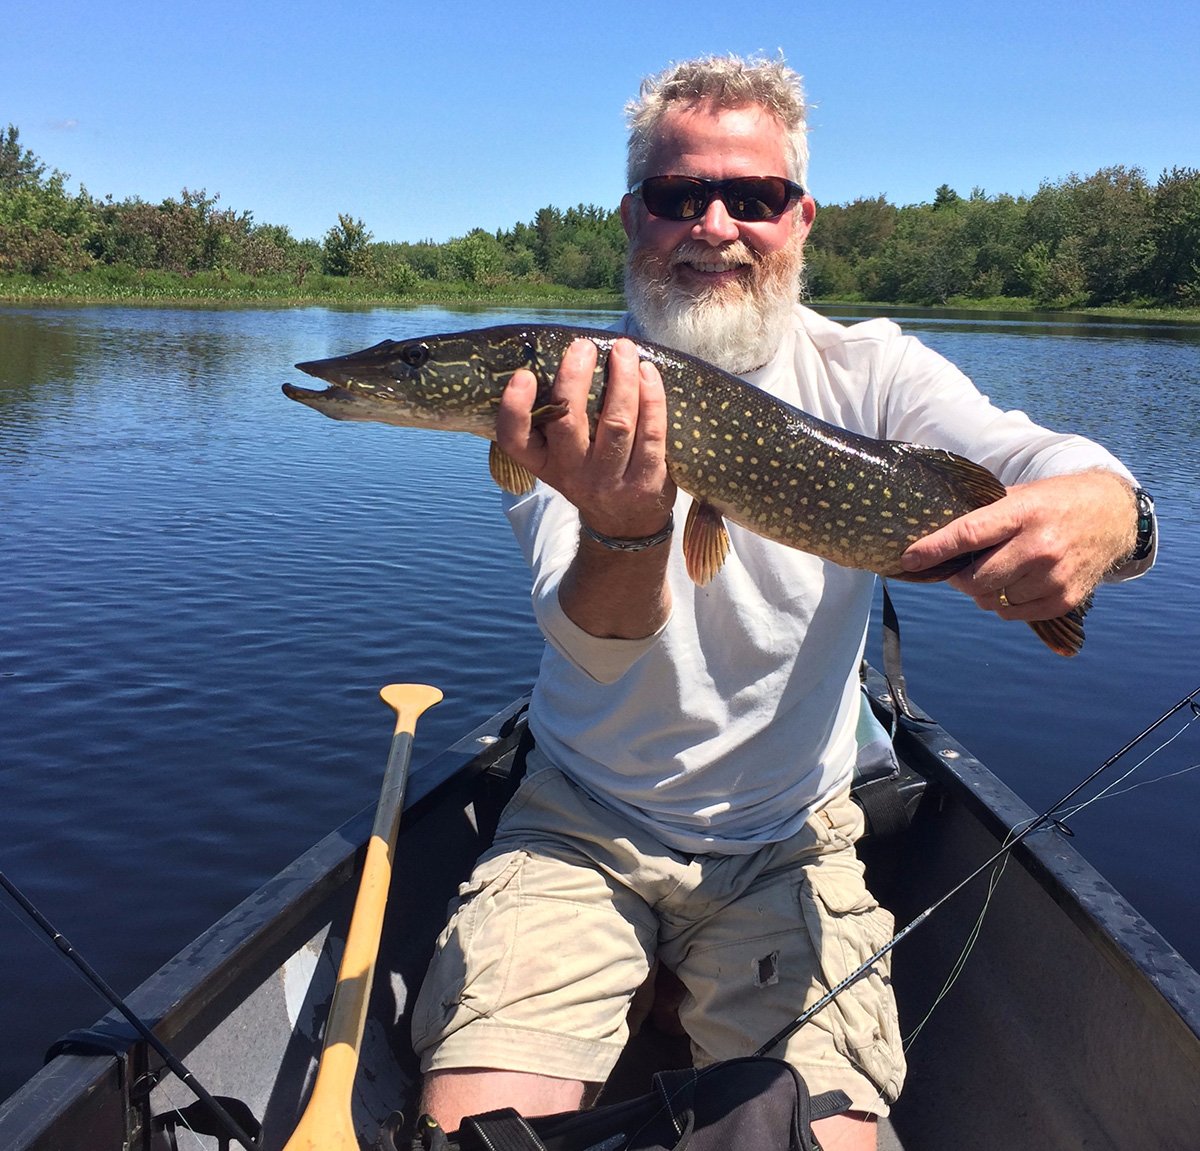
(562, 918)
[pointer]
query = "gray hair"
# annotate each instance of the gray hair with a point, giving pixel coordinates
(727, 82)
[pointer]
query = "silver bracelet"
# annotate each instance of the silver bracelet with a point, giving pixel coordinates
(638, 544)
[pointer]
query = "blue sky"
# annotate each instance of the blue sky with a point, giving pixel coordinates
(428, 119)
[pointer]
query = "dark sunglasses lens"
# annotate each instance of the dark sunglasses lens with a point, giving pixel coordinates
(675, 197)
(756, 199)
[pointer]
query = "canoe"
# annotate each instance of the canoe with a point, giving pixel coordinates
(1072, 1023)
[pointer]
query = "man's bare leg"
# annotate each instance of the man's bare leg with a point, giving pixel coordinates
(851, 1131)
(450, 1094)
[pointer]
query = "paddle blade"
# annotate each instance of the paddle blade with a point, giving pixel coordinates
(408, 701)
(324, 1129)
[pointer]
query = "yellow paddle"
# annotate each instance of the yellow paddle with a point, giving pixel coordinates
(326, 1124)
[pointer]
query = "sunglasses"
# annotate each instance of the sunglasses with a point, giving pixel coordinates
(746, 198)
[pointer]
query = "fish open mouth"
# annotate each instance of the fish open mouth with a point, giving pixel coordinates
(330, 400)
(305, 394)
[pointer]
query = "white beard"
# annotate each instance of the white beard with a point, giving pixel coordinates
(739, 327)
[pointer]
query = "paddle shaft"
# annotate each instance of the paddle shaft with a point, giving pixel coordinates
(327, 1123)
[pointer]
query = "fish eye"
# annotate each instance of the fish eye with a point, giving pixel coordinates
(415, 355)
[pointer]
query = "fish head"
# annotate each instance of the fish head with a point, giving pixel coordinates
(447, 382)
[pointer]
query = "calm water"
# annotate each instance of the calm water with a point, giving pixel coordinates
(207, 584)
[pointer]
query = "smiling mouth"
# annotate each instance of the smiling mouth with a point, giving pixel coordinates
(710, 268)
(731, 260)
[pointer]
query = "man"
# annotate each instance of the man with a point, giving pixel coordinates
(687, 800)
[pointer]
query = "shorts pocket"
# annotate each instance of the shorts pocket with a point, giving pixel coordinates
(470, 967)
(847, 927)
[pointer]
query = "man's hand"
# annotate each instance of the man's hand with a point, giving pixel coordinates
(618, 481)
(1044, 546)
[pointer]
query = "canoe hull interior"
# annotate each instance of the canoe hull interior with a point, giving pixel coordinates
(1071, 1024)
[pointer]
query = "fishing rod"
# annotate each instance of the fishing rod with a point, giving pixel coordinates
(1048, 816)
(218, 1110)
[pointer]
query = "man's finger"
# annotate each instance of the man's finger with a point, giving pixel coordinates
(515, 432)
(618, 421)
(572, 433)
(976, 531)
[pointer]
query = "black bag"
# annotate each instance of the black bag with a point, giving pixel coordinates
(753, 1102)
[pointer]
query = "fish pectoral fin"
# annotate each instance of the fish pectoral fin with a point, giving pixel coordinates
(554, 410)
(510, 475)
(705, 542)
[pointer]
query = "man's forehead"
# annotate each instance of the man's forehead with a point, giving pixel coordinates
(746, 131)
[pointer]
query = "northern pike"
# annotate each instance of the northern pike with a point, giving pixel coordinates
(742, 454)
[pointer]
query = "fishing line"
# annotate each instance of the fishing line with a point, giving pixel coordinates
(961, 962)
(1110, 792)
(1011, 841)
(1144, 783)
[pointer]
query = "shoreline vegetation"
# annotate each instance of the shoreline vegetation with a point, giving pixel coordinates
(1106, 245)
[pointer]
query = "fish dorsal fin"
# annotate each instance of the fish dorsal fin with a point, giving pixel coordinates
(509, 474)
(705, 542)
(981, 487)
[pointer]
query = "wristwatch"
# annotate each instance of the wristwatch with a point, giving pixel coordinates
(1145, 526)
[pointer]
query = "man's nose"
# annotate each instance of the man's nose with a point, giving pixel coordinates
(716, 226)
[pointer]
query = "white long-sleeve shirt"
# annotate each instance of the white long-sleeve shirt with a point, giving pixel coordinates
(726, 728)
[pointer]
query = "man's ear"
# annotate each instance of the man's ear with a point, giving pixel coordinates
(808, 210)
(629, 215)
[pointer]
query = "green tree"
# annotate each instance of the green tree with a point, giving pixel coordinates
(43, 228)
(1173, 270)
(547, 226)
(478, 257)
(1102, 224)
(19, 167)
(945, 197)
(184, 236)
(346, 251)
(843, 239)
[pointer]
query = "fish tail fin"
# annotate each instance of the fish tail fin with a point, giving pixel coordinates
(1063, 635)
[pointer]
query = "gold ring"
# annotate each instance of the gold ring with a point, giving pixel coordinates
(1004, 598)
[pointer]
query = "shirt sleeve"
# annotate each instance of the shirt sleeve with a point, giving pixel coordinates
(927, 400)
(547, 528)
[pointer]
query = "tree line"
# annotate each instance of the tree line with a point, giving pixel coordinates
(1108, 238)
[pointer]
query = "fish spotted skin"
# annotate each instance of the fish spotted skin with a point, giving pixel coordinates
(744, 455)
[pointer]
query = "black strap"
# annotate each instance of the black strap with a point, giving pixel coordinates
(893, 669)
(502, 1130)
(883, 805)
(828, 1103)
(677, 1088)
